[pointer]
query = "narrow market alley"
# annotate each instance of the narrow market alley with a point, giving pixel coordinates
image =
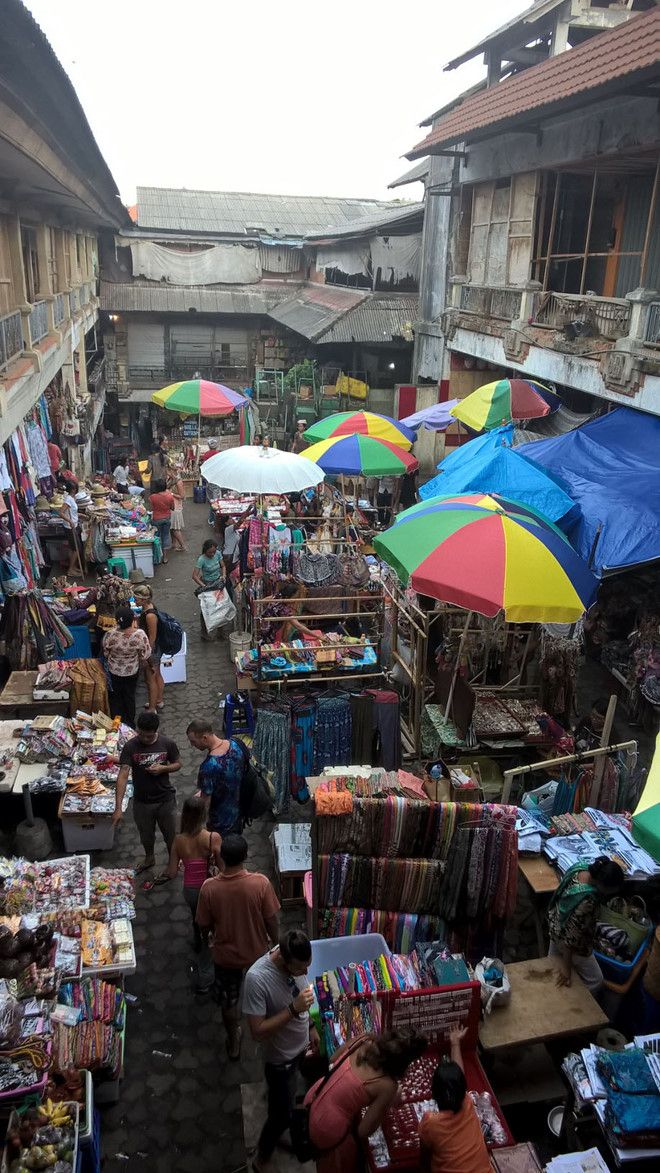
(180, 1103)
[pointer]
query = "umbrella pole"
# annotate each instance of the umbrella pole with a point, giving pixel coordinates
(457, 664)
(199, 438)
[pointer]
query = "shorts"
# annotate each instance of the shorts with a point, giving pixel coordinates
(227, 986)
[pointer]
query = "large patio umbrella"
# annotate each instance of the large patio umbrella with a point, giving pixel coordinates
(504, 400)
(646, 819)
(363, 423)
(199, 397)
(257, 470)
(435, 418)
(365, 456)
(488, 560)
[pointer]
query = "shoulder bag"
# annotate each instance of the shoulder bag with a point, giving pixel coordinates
(301, 1142)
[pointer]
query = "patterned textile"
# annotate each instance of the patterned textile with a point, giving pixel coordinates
(332, 736)
(125, 652)
(271, 749)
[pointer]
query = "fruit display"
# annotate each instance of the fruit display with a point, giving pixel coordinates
(43, 1138)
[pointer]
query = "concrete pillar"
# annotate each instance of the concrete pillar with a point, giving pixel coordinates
(45, 287)
(640, 301)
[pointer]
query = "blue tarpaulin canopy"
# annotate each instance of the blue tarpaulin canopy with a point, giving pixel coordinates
(489, 465)
(611, 468)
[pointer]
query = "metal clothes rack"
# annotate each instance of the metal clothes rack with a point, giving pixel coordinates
(567, 759)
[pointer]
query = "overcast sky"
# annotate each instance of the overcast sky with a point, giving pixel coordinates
(246, 95)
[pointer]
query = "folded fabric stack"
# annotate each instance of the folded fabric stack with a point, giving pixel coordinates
(632, 1113)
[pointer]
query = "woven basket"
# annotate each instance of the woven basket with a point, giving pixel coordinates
(617, 916)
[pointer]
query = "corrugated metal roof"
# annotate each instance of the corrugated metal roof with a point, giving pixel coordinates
(538, 11)
(237, 212)
(402, 214)
(315, 308)
(419, 171)
(607, 62)
(147, 299)
(379, 318)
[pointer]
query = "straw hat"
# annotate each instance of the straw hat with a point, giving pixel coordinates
(136, 576)
(42, 502)
(99, 490)
(57, 501)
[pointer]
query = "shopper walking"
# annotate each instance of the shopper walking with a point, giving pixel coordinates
(240, 910)
(451, 1139)
(125, 648)
(365, 1074)
(276, 1004)
(149, 623)
(573, 915)
(219, 778)
(151, 758)
(208, 574)
(198, 850)
(162, 503)
(177, 524)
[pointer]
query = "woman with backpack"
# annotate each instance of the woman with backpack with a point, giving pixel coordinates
(149, 622)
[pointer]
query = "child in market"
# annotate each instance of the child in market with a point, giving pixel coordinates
(199, 852)
(451, 1140)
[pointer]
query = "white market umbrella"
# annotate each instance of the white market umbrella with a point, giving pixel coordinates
(253, 469)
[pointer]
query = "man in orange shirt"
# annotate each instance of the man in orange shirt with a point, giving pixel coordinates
(239, 909)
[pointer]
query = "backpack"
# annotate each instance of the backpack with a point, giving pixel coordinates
(169, 636)
(257, 795)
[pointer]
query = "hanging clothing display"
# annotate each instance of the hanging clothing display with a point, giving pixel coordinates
(271, 748)
(332, 737)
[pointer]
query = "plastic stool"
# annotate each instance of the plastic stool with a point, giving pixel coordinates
(117, 566)
(238, 714)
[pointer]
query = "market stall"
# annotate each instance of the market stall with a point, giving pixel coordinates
(66, 943)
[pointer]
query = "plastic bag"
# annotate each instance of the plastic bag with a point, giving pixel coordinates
(542, 798)
(495, 986)
(217, 609)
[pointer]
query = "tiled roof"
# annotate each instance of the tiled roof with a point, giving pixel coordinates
(315, 308)
(607, 62)
(249, 213)
(379, 318)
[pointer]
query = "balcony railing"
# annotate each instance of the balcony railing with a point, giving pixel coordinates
(38, 321)
(95, 375)
(11, 337)
(490, 301)
(59, 308)
(608, 317)
(652, 334)
(158, 376)
(74, 300)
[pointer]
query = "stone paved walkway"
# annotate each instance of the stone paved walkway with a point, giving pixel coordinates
(179, 1110)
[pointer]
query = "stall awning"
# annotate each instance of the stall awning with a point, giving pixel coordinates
(611, 468)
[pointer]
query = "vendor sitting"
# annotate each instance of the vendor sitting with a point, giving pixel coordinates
(589, 729)
(121, 474)
(451, 1140)
(285, 603)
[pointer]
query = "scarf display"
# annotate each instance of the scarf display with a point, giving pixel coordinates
(454, 861)
(401, 930)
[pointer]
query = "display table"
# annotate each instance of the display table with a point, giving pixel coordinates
(292, 848)
(542, 880)
(17, 700)
(539, 1009)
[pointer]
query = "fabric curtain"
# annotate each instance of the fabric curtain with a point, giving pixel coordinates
(223, 264)
(397, 257)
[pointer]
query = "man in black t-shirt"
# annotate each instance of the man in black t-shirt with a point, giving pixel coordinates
(151, 758)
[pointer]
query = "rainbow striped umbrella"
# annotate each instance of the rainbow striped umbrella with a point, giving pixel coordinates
(199, 397)
(362, 456)
(362, 423)
(501, 402)
(489, 557)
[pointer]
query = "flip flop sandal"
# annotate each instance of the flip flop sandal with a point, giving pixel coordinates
(144, 867)
(158, 880)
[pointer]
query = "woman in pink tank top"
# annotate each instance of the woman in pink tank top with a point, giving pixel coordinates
(365, 1073)
(196, 848)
